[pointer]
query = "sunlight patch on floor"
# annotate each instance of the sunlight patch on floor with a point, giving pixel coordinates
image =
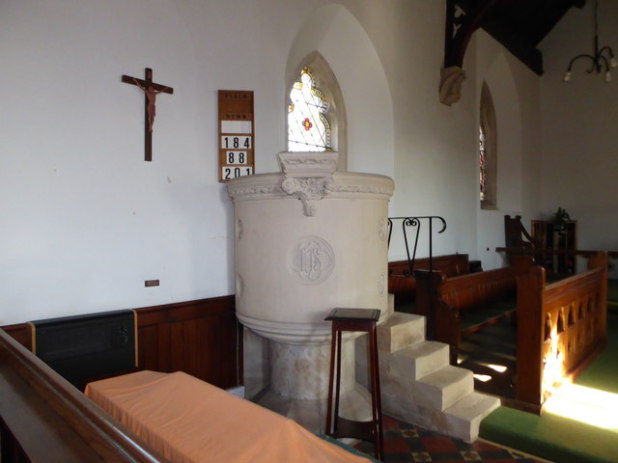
(586, 405)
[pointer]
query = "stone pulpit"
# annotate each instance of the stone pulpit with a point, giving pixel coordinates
(307, 240)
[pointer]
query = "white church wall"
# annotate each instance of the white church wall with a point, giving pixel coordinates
(580, 139)
(85, 221)
(514, 90)
(334, 32)
(432, 142)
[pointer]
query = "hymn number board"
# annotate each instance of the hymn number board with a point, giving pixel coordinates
(236, 136)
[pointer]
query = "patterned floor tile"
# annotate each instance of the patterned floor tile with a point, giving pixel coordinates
(406, 443)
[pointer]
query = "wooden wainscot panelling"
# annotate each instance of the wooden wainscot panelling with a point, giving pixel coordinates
(198, 337)
(22, 333)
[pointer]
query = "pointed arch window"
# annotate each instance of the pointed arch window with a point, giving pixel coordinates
(315, 111)
(308, 124)
(487, 154)
(482, 164)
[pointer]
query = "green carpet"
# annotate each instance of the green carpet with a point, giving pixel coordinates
(560, 439)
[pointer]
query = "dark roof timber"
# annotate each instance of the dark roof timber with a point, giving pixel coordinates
(519, 25)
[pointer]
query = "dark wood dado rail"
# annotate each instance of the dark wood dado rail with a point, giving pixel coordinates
(561, 328)
(198, 337)
(44, 419)
(201, 338)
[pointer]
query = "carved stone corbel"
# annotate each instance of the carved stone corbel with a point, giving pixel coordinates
(459, 27)
(451, 79)
(306, 176)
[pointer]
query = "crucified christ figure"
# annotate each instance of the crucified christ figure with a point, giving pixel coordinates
(151, 96)
(151, 90)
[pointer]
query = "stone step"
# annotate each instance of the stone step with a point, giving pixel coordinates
(418, 360)
(464, 416)
(444, 387)
(399, 331)
(417, 383)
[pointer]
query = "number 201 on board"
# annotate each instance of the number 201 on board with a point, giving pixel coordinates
(228, 173)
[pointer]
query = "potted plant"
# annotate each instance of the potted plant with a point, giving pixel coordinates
(561, 218)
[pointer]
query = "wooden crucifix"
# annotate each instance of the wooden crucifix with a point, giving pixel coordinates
(151, 90)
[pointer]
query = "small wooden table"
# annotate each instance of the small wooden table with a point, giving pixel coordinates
(336, 426)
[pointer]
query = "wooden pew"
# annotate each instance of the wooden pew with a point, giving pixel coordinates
(44, 419)
(561, 328)
(466, 303)
(402, 283)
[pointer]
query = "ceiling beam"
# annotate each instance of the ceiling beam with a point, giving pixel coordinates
(525, 52)
(460, 25)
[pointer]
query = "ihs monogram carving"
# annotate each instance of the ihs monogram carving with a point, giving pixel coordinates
(312, 259)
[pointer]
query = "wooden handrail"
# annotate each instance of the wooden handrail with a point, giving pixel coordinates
(48, 420)
(575, 252)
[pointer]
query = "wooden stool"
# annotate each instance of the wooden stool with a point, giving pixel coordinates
(336, 426)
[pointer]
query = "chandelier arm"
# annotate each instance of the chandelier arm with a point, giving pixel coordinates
(600, 58)
(603, 58)
(608, 49)
(583, 55)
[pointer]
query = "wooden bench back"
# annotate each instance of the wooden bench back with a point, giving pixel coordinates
(449, 264)
(468, 291)
(403, 285)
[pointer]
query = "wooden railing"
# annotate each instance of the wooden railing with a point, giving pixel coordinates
(561, 327)
(44, 419)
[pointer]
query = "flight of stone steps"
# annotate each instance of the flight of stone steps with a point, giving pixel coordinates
(418, 384)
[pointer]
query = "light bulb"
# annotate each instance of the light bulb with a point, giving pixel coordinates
(567, 76)
(608, 76)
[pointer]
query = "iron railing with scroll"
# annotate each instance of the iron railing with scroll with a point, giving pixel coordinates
(412, 226)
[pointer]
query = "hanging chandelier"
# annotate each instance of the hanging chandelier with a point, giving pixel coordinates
(602, 59)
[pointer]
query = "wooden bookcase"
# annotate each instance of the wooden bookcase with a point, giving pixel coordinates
(548, 235)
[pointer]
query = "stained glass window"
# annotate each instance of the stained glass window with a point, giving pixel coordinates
(482, 164)
(488, 150)
(308, 127)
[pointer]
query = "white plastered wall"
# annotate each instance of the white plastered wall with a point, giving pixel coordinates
(338, 36)
(579, 130)
(514, 90)
(85, 221)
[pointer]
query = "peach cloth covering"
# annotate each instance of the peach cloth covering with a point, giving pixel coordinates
(189, 420)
